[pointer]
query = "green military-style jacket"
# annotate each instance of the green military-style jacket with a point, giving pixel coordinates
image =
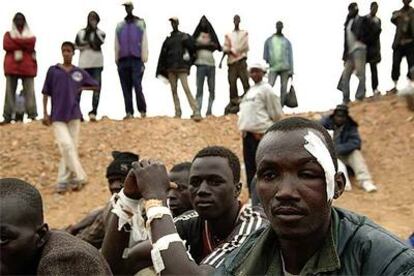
(355, 246)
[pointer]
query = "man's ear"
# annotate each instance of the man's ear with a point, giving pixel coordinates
(238, 189)
(340, 182)
(43, 234)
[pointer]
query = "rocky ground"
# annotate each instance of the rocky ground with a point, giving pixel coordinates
(28, 151)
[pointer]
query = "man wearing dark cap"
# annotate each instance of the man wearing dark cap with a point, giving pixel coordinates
(92, 228)
(131, 52)
(174, 64)
(28, 247)
(348, 145)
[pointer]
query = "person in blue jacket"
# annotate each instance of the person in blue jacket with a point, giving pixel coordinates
(348, 145)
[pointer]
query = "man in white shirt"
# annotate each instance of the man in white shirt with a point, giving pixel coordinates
(259, 109)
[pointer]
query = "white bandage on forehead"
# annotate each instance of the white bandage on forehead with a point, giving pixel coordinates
(315, 146)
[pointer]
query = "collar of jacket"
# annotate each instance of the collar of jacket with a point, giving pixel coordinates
(262, 256)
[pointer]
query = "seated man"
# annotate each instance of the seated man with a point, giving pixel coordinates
(218, 225)
(348, 145)
(297, 180)
(92, 228)
(29, 247)
(178, 199)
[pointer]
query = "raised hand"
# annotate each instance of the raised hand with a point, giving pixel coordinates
(152, 179)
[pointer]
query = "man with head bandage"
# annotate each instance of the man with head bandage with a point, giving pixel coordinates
(297, 181)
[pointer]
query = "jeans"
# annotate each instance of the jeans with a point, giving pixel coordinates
(284, 78)
(356, 62)
(182, 76)
(131, 71)
(67, 137)
(209, 72)
(238, 70)
(29, 95)
(96, 74)
(400, 52)
(374, 75)
(250, 143)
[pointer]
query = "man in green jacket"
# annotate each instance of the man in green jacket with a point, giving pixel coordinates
(297, 180)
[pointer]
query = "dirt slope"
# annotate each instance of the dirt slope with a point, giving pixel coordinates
(387, 128)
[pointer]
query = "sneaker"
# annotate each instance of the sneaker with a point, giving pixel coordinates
(368, 186)
(196, 117)
(61, 188)
(92, 117)
(77, 185)
(143, 114)
(376, 93)
(392, 91)
(128, 116)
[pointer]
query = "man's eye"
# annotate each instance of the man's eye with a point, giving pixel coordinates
(308, 175)
(195, 183)
(4, 240)
(268, 176)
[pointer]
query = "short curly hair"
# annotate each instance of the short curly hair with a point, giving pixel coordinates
(24, 195)
(295, 123)
(220, 151)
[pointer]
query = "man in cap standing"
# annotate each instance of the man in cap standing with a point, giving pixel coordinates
(174, 63)
(259, 109)
(131, 52)
(348, 145)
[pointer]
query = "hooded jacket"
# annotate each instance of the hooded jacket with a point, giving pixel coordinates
(20, 59)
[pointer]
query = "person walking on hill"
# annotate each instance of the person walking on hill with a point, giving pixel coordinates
(174, 63)
(131, 52)
(19, 63)
(403, 44)
(64, 83)
(89, 42)
(278, 54)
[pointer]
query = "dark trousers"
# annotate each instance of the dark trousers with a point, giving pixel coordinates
(374, 75)
(250, 143)
(131, 71)
(398, 54)
(96, 74)
(238, 70)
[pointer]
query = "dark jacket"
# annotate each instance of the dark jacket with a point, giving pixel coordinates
(355, 246)
(358, 28)
(64, 254)
(373, 39)
(174, 51)
(401, 25)
(348, 139)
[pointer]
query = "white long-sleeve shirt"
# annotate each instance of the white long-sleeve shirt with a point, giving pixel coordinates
(259, 108)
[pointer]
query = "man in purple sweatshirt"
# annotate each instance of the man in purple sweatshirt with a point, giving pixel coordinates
(131, 52)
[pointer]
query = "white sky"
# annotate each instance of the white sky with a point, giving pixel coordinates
(315, 29)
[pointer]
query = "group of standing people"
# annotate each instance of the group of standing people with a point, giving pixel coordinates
(362, 46)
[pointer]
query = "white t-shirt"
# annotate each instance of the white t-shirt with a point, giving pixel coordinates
(89, 58)
(353, 43)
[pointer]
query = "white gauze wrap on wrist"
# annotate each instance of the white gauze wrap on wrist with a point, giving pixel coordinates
(162, 243)
(315, 146)
(129, 211)
(156, 212)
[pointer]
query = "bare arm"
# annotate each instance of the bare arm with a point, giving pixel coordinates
(113, 248)
(46, 118)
